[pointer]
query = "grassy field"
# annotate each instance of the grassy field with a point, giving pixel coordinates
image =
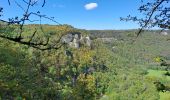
(160, 74)
(138, 69)
(164, 95)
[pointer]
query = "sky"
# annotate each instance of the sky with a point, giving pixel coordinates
(83, 14)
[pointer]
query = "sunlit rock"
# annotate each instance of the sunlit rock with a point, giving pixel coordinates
(164, 33)
(88, 41)
(76, 40)
(67, 38)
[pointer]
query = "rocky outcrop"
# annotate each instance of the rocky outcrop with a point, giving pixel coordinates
(88, 41)
(67, 38)
(164, 33)
(76, 40)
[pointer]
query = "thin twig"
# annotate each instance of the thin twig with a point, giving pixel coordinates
(43, 3)
(9, 2)
(150, 16)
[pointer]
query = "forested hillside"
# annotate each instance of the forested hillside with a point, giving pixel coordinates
(68, 50)
(119, 70)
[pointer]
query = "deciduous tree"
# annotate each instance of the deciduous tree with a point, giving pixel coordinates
(156, 14)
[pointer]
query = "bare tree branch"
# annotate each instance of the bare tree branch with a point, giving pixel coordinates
(150, 16)
(40, 44)
(43, 3)
(157, 14)
(9, 2)
(32, 36)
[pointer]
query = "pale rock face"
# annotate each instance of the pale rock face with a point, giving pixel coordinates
(67, 38)
(71, 44)
(76, 42)
(88, 41)
(76, 36)
(164, 33)
(81, 38)
(73, 40)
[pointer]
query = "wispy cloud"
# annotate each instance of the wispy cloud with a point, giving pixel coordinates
(91, 6)
(61, 6)
(58, 6)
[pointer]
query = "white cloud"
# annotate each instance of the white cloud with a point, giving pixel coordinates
(91, 6)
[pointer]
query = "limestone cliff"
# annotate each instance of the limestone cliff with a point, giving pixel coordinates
(76, 40)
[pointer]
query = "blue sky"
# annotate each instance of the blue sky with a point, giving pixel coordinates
(102, 14)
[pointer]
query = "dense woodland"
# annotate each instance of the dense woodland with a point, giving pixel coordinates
(60, 62)
(119, 70)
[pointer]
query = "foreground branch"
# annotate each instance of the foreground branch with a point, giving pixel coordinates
(41, 45)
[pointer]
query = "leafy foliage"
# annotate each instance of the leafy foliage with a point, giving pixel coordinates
(101, 72)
